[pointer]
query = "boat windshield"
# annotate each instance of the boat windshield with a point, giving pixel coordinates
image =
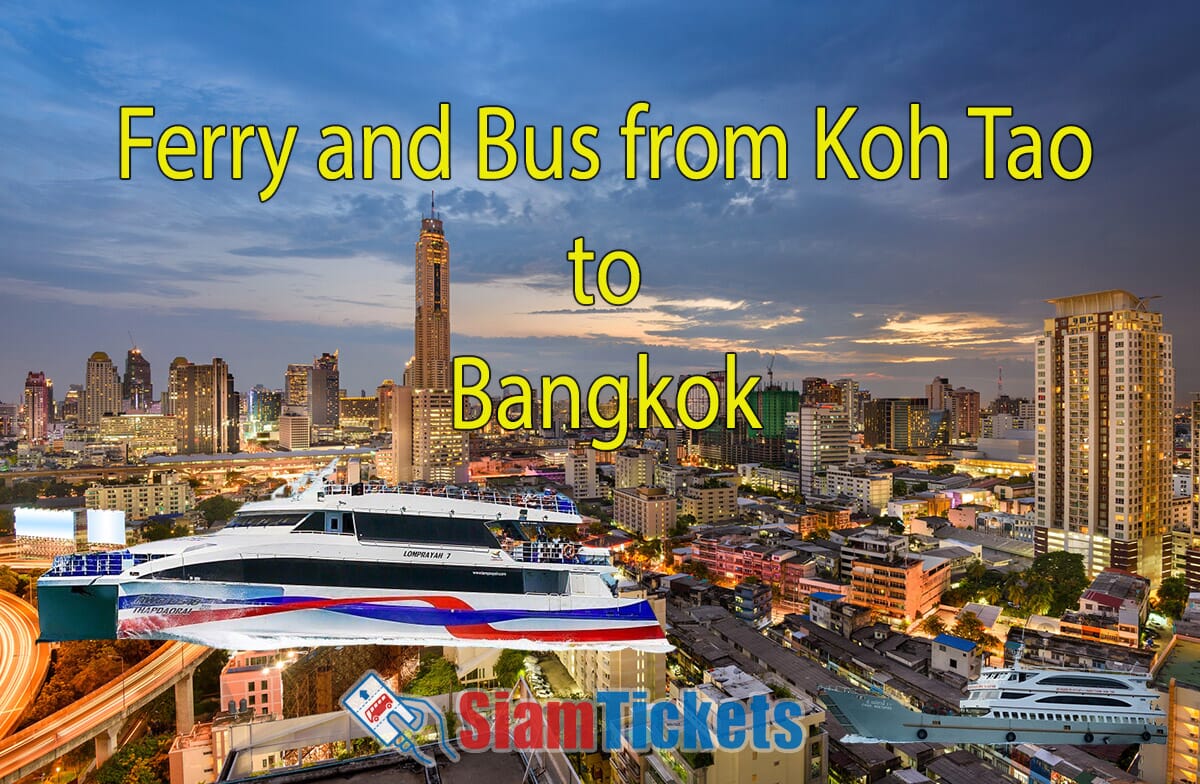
(509, 530)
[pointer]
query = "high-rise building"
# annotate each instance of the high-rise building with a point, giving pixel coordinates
(824, 443)
(964, 415)
(887, 421)
(580, 471)
(137, 387)
(850, 402)
(324, 391)
(69, 411)
(37, 407)
(206, 408)
(438, 450)
(697, 403)
(431, 334)
(938, 393)
(263, 408)
(297, 387)
(386, 393)
(771, 405)
(101, 391)
(815, 391)
(1105, 388)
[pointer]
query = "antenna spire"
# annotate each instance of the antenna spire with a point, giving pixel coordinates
(432, 211)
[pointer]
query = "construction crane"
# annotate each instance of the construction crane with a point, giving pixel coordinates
(771, 370)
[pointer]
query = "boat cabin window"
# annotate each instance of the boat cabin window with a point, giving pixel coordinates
(245, 520)
(423, 529)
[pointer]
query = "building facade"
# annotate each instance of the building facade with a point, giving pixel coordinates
(206, 408)
(824, 442)
(1105, 396)
(648, 512)
(172, 496)
(710, 502)
(101, 390)
(37, 407)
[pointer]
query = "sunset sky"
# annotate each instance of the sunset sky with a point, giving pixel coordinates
(889, 282)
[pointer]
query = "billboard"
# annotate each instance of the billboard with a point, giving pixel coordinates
(105, 526)
(44, 523)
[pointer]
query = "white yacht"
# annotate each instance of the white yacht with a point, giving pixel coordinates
(356, 564)
(1065, 696)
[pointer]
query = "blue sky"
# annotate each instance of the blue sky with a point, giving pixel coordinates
(890, 282)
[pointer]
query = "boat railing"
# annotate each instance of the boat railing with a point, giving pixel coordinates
(95, 564)
(541, 501)
(557, 551)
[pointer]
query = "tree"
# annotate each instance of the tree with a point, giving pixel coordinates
(217, 509)
(942, 469)
(508, 667)
(969, 627)
(434, 676)
(933, 626)
(7, 522)
(8, 579)
(1172, 597)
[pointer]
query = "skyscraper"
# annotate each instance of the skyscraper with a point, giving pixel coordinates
(136, 386)
(964, 415)
(850, 402)
(938, 393)
(206, 408)
(324, 391)
(101, 390)
(37, 407)
(431, 334)
(1105, 392)
(824, 442)
(433, 451)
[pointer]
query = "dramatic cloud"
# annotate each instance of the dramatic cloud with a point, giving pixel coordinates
(889, 282)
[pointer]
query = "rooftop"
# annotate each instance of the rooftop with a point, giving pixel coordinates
(1182, 663)
(958, 643)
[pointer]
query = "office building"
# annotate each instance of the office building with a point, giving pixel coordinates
(295, 429)
(816, 391)
(1105, 383)
(325, 391)
(899, 588)
(206, 408)
(140, 434)
(37, 407)
(824, 442)
(137, 388)
(263, 409)
(648, 512)
(886, 422)
(359, 413)
(101, 390)
(869, 490)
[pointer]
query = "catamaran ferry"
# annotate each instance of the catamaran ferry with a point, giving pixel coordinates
(359, 564)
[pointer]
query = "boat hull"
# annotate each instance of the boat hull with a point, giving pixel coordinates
(243, 616)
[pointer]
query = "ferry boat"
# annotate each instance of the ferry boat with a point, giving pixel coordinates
(359, 564)
(1064, 695)
(1015, 705)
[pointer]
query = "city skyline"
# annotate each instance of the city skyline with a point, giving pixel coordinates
(893, 282)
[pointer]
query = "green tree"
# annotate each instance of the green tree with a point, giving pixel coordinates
(1172, 597)
(434, 676)
(217, 509)
(942, 469)
(1063, 572)
(8, 579)
(7, 522)
(933, 626)
(508, 667)
(969, 627)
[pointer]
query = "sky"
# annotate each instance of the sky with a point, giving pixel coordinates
(891, 282)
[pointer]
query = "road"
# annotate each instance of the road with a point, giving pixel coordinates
(78, 723)
(23, 662)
